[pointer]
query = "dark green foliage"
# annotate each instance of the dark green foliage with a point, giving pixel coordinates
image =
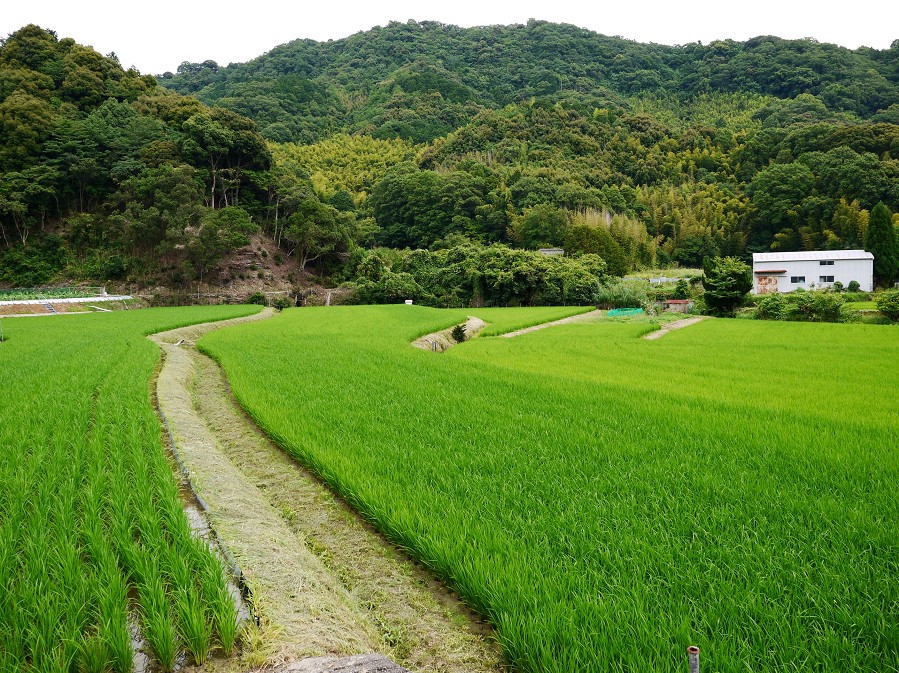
(682, 289)
(474, 275)
(256, 298)
(33, 264)
(542, 226)
(582, 238)
(880, 241)
(220, 232)
(458, 334)
(534, 135)
(137, 179)
(422, 80)
(801, 306)
(853, 286)
(727, 281)
(282, 303)
(888, 303)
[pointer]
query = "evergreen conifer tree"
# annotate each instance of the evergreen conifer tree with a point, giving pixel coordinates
(881, 242)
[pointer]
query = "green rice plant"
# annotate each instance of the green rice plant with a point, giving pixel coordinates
(193, 625)
(93, 655)
(158, 626)
(114, 622)
(81, 447)
(604, 500)
(218, 596)
(156, 621)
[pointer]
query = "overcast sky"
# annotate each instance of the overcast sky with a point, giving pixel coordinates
(158, 35)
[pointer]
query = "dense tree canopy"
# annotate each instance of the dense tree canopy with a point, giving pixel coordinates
(421, 80)
(134, 178)
(416, 134)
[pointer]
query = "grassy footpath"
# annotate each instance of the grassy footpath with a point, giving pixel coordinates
(92, 533)
(605, 500)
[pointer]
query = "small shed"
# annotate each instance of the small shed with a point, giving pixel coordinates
(678, 305)
(812, 269)
(552, 252)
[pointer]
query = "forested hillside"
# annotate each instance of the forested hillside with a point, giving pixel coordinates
(104, 174)
(421, 135)
(420, 81)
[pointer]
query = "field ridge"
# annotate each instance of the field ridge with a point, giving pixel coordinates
(324, 583)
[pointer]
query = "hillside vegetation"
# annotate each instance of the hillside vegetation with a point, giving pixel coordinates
(422, 135)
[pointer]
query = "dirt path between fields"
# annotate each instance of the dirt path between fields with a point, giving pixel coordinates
(324, 584)
(580, 317)
(671, 326)
(443, 340)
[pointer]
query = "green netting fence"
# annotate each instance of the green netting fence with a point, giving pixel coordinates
(620, 312)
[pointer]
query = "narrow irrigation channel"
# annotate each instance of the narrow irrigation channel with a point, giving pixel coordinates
(324, 587)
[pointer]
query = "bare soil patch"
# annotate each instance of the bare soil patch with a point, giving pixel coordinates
(671, 326)
(581, 317)
(443, 340)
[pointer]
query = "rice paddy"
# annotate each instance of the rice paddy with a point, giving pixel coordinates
(94, 544)
(604, 500)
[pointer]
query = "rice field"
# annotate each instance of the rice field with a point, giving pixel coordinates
(94, 544)
(604, 500)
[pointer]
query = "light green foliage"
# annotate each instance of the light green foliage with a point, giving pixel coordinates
(800, 306)
(604, 500)
(623, 294)
(353, 163)
(89, 509)
(887, 302)
(471, 274)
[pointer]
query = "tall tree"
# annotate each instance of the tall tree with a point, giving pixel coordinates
(727, 281)
(881, 242)
(317, 229)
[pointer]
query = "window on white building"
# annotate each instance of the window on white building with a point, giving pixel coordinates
(825, 279)
(797, 279)
(826, 262)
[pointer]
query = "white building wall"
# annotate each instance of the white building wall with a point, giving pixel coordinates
(842, 270)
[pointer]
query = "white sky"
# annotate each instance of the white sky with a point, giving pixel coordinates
(158, 35)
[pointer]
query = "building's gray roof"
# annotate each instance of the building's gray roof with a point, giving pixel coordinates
(809, 256)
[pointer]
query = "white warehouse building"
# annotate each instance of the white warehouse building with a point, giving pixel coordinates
(788, 271)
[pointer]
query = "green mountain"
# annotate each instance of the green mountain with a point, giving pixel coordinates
(421, 80)
(424, 135)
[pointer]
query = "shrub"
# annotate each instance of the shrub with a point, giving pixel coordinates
(837, 286)
(256, 298)
(801, 307)
(458, 334)
(853, 286)
(682, 289)
(771, 307)
(282, 303)
(622, 294)
(888, 303)
(856, 296)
